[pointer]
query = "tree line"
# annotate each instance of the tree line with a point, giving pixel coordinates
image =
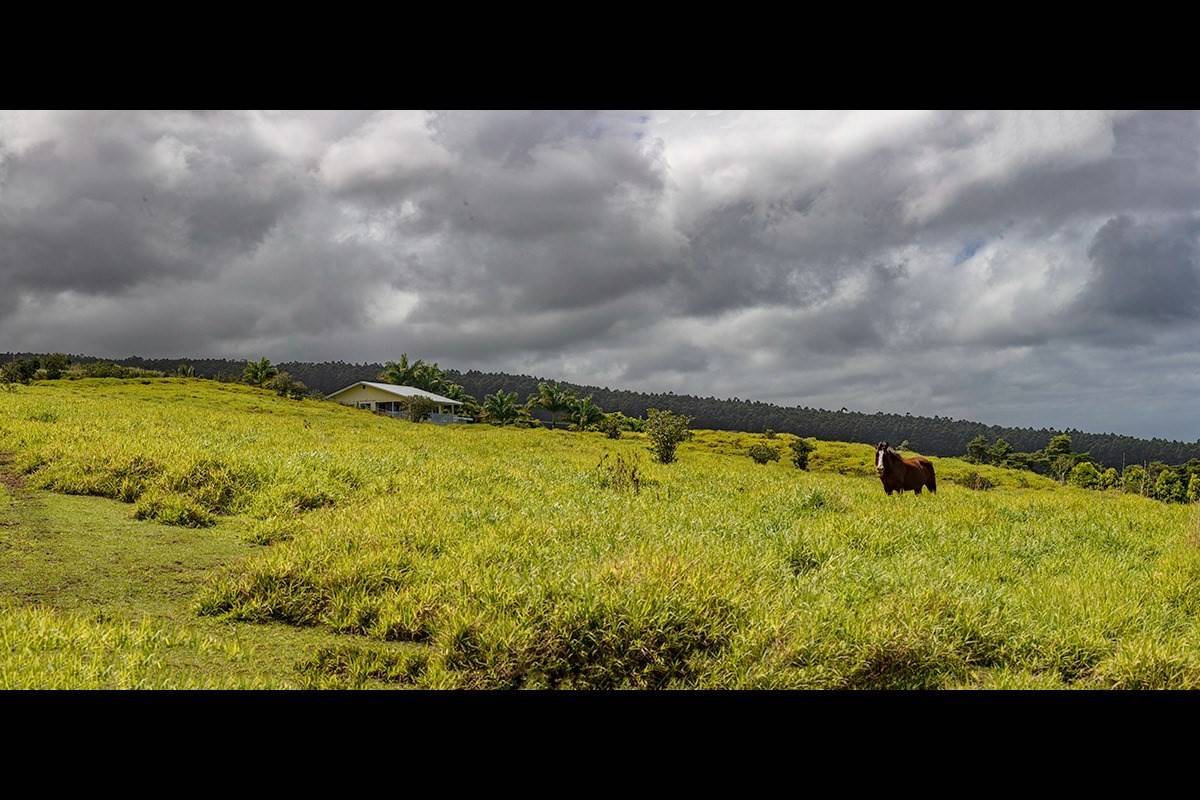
(936, 435)
(1171, 484)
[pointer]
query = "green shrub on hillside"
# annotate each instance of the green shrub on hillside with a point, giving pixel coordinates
(801, 448)
(762, 453)
(666, 431)
(610, 427)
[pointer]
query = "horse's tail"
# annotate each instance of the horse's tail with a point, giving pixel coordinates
(932, 484)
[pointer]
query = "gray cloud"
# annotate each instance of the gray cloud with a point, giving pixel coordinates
(1037, 268)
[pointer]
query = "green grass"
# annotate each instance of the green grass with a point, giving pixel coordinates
(342, 549)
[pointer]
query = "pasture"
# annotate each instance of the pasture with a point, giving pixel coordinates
(178, 532)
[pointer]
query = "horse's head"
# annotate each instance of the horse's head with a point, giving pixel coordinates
(882, 450)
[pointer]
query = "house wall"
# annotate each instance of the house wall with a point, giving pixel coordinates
(365, 394)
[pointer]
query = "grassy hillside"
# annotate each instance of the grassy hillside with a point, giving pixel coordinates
(345, 549)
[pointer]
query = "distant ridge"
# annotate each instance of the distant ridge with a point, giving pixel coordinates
(938, 436)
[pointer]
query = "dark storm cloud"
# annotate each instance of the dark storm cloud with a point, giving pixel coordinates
(1145, 272)
(984, 265)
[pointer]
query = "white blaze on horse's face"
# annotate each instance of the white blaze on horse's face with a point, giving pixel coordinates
(879, 461)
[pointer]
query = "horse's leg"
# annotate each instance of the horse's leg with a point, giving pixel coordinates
(917, 490)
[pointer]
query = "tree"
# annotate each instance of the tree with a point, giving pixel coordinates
(18, 371)
(285, 386)
(1061, 466)
(1133, 479)
(501, 408)
(552, 398)
(1168, 488)
(1109, 479)
(1060, 445)
(762, 453)
(55, 365)
(800, 451)
(1193, 489)
(977, 450)
(418, 407)
(999, 452)
(584, 413)
(666, 431)
(1085, 476)
(418, 374)
(257, 373)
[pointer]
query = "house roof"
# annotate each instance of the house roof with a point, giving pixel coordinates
(399, 391)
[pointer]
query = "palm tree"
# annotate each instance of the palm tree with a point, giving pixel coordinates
(470, 405)
(584, 412)
(553, 398)
(258, 373)
(401, 372)
(501, 408)
(417, 374)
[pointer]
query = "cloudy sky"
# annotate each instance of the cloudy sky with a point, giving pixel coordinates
(1036, 268)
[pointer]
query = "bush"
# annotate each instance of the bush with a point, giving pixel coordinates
(610, 427)
(418, 407)
(620, 474)
(801, 448)
(666, 431)
(106, 369)
(1085, 476)
(285, 386)
(973, 480)
(769, 433)
(1193, 489)
(762, 453)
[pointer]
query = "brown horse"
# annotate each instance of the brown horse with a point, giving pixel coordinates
(903, 474)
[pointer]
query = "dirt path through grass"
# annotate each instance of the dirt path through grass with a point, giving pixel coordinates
(87, 559)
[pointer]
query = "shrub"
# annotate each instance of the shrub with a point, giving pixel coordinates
(1193, 489)
(418, 407)
(610, 427)
(973, 480)
(285, 386)
(769, 433)
(666, 431)
(1085, 476)
(621, 474)
(762, 453)
(801, 448)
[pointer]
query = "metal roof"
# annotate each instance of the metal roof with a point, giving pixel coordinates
(399, 391)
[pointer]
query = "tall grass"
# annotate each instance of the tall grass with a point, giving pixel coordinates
(509, 559)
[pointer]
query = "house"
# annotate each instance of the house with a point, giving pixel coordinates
(389, 399)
